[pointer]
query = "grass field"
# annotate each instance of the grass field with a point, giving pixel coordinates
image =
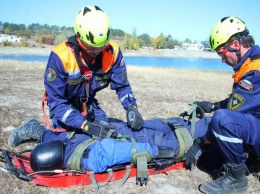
(159, 92)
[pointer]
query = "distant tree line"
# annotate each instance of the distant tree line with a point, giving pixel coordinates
(53, 35)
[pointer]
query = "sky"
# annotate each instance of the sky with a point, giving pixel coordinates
(180, 19)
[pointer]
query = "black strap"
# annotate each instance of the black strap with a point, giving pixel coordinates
(96, 68)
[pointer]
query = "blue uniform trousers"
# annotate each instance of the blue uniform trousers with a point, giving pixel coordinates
(235, 133)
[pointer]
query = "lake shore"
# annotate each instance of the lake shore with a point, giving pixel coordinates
(172, 53)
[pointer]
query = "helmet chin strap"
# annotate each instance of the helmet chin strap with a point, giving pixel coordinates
(240, 35)
(238, 53)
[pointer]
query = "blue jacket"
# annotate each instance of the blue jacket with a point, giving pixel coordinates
(64, 81)
(246, 88)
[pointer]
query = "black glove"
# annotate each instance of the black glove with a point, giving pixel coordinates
(99, 129)
(193, 154)
(134, 118)
(205, 105)
(199, 113)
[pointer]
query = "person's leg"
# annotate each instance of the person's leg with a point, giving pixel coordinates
(201, 127)
(30, 129)
(109, 152)
(234, 132)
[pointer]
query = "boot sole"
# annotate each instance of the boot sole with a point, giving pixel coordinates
(240, 191)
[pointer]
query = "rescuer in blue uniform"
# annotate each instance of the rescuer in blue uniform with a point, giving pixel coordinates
(82, 66)
(235, 122)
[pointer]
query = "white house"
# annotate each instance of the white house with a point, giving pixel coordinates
(194, 47)
(9, 38)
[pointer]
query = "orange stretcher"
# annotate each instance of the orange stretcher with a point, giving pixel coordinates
(18, 164)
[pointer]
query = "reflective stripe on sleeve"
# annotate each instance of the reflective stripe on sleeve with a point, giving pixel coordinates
(126, 96)
(228, 139)
(65, 116)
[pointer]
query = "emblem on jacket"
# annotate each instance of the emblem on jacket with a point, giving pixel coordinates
(51, 76)
(246, 84)
(236, 101)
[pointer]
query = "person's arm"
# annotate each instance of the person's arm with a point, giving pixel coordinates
(120, 83)
(55, 83)
(208, 106)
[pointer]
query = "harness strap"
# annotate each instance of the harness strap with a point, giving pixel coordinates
(110, 172)
(126, 175)
(185, 141)
(192, 112)
(71, 134)
(184, 137)
(125, 138)
(74, 162)
(46, 119)
(94, 182)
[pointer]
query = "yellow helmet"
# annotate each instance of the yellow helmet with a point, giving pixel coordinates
(92, 26)
(224, 29)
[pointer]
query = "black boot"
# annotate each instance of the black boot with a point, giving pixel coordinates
(30, 129)
(234, 181)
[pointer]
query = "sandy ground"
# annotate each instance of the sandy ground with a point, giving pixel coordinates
(141, 52)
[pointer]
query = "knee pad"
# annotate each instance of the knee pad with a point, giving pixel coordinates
(47, 156)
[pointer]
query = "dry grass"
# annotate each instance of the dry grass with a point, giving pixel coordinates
(159, 92)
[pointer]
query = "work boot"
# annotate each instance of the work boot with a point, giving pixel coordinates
(30, 129)
(234, 181)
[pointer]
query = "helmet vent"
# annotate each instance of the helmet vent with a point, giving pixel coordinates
(90, 37)
(223, 19)
(97, 8)
(211, 42)
(86, 10)
(108, 33)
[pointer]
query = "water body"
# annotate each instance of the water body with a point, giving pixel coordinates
(178, 63)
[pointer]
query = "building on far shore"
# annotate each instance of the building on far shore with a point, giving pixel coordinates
(9, 38)
(193, 46)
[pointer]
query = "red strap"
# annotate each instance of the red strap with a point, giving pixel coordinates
(46, 119)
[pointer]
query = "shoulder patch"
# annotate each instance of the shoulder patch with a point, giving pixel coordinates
(236, 101)
(51, 76)
(246, 84)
